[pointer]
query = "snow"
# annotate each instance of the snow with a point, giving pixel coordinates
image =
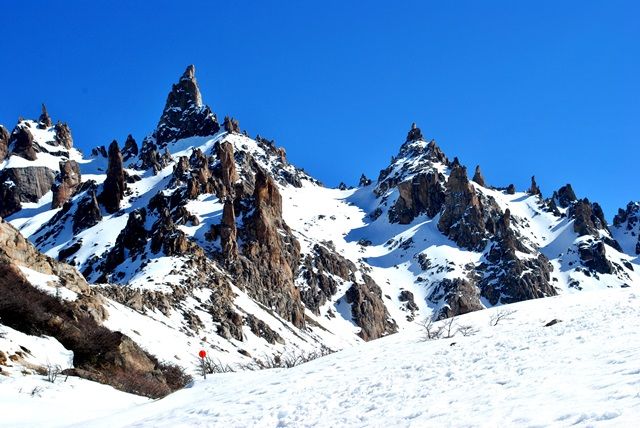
(581, 371)
(30, 400)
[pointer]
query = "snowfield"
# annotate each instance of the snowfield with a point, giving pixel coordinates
(581, 371)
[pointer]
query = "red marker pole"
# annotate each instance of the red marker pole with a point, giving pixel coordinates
(202, 354)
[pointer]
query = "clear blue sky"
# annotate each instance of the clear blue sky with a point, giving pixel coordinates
(549, 88)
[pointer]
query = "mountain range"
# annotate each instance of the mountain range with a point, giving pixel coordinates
(203, 237)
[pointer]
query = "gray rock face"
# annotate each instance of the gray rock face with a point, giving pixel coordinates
(424, 193)
(462, 219)
(18, 185)
(66, 184)
(368, 310)
(460, 297)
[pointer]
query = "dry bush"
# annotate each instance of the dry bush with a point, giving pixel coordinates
(501, 315)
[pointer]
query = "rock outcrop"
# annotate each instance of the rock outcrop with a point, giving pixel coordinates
(368, 310)
(63, 135)
(114, 185)
(44, 121)
(424, 193)
(4, 142)
(231, 125)
(21, 143)
(459, 295)
(534, 189)
(414, 134)
(88, 213)
(461, 218)
(477, 177)
(130, 149)
(66, 184)
(19, 185)
(271, 253)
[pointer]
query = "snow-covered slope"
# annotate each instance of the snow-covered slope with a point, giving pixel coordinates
(516, 373)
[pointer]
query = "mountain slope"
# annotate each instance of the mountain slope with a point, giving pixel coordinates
(519, 372)
(215, 239)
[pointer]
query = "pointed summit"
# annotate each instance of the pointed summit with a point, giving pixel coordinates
(414, 134)
(534, 189)
(44, 121)
(477, 177)
(184, 114)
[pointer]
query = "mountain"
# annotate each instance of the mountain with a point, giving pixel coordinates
(203, 237)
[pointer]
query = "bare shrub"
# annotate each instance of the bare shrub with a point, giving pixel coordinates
(429, 330)
(467, 330)
(448, 330)
(501, 315)
(52, 372)
(210, 366)
(175, 376)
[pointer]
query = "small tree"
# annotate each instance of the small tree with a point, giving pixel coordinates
(429, 331)
(502, 314)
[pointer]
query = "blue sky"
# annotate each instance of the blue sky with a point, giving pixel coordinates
(547, 88)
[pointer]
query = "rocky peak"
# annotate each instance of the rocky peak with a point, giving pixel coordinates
(4, 142)
(627, 223)
(477, 177)
(414, 157)
(628, 217)
(564, 196)
(414, 134)
(44, 121)
(130, 149)
(114, 185)
(364, 181)
(231, 125)
(184, 114)
(534, 189)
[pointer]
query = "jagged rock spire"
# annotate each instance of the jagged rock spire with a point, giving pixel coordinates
(114, 185)
(477, 176)
(184, 114)
(4, 142)
(44, 121)
(414, 134)
(534, 189)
